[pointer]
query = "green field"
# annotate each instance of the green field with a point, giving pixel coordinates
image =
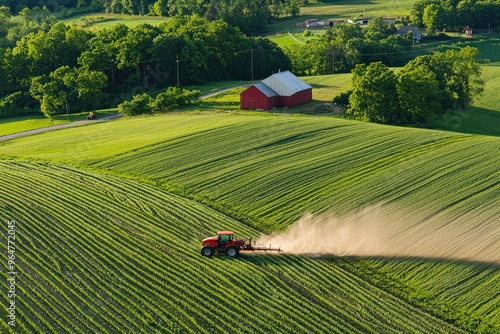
(98, 21)
(103, 254)
(135, 204)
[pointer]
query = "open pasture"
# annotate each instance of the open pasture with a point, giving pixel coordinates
(98, 21)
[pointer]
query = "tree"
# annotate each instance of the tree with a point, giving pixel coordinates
(52, 99)
(159, 8)
(432, 18)
(90, 89)
(465, 78)
(418, 92)
(5, 21)
(374, 95)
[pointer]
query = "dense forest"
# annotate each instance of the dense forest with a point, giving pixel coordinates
(251, 16)
(64, 66)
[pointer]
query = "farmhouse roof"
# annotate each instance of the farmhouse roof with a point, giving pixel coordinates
(285, 83)
(265, 89)
(405, 29)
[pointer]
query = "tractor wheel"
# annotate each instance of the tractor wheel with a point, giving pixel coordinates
(232, 251)
(207, 251)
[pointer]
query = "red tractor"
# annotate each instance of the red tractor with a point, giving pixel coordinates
(225, 242)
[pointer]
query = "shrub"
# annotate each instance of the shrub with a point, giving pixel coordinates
(343, 98)
(174, 97)
(140, 104)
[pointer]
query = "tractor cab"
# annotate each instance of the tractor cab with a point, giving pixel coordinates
(223, 237)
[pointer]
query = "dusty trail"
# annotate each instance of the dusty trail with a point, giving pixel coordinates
(380, 231)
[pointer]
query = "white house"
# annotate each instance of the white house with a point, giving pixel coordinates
(417, 34)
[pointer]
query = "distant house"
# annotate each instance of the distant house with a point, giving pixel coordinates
(417, 34)
(315, 23)
(311, 23)
(468, 31)
(259, 96)
(281, 89)
(362, 21)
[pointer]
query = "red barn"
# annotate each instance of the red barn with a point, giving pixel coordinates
(259, 96)
(291, 90)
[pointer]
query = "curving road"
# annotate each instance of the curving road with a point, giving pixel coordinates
(58, 126)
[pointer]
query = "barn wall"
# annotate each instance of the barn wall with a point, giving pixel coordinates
(253, 98)
(296, 99)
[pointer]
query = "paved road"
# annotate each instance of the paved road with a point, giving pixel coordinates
(55, 127)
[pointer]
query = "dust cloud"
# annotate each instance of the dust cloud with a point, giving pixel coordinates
(382, 231)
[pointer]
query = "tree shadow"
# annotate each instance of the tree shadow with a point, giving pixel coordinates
(473, 120)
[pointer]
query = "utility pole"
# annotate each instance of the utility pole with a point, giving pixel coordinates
(177, 61)
(251, 60)
(333, 62)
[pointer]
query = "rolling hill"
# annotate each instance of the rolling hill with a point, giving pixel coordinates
(134, 197)
(103, 254)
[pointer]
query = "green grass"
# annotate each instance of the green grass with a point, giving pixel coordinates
(98, 21)
(487, 44)
(26, 123)
(102, 254)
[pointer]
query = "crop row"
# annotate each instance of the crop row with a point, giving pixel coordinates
(101, 254)
(430, 180)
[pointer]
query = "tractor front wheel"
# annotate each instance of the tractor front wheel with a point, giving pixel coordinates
(232, 251)
(207, 251)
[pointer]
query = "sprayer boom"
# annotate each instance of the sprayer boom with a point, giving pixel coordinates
(247, 245)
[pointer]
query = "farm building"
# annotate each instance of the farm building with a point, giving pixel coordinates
(281, 89)
(468, 31)
(416, 33)
(259, 96)
(362, 21)
(314, 23)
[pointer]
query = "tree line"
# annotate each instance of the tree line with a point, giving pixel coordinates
(66, 68)
(454, 15)
(251, 16)
(343, 46)
(423, 89)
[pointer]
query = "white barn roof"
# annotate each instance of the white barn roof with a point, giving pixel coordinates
(285, 83)
(265, 89)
